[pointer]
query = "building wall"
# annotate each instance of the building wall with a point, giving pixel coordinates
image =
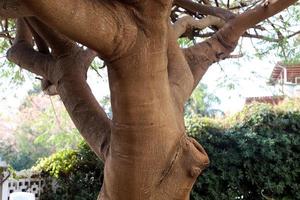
(290, 90)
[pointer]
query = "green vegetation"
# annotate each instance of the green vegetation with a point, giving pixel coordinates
(201, 103)
(44, 128)
(254, 155)
(78, 174)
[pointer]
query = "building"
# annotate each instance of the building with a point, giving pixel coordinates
(286, 79)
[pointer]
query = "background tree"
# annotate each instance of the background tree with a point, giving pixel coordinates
(43, 127)
(150, 78)
(202, 103)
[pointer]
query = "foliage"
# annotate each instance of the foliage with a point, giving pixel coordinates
(290, 105)
(185, 42)
(49, 123)
(58, 164)
(278, 36)
(257, 157)
(44, 128)
(254, 155)
(77, 172)
(201, 102)
(24, 156)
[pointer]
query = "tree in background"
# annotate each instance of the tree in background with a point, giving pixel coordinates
(202, 103)
(150, 77)
(44, 127)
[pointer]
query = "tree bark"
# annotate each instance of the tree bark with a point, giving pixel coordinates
(146, 152)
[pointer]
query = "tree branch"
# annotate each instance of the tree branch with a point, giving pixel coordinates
(59, 44)
(181, 26)
(199, 57)
(71, 85)
(146, 7)
(180, 76)
(202, 55)
(270, 39)
(218, 47)
(68, 73)
(86, 113)
(204, 9)
(236, 27)
(96, 24)
(23, 54)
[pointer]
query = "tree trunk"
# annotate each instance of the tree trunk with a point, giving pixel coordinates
(148, 137)
(146, 151)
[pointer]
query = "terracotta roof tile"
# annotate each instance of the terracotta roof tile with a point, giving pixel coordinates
(293, 71)
(274, 100)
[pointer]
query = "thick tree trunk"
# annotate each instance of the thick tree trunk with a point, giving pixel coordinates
(146, 152)
(148, 140)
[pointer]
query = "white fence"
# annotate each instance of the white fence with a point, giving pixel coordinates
(35, 185)
(32, 185)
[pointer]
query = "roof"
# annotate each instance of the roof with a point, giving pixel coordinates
(293, 71)
(274, 100)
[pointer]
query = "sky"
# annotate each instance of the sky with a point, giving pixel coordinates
(231, 80)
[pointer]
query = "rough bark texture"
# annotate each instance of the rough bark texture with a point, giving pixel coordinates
(146, 152)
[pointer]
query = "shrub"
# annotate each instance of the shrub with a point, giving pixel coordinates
(254, 155)
(258, 157)
(78, 174)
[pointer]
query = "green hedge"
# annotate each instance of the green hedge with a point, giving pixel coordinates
(254, 155)
(257, 157)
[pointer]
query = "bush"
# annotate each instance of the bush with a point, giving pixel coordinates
(258, 157)
(254, 155)
(78, 174)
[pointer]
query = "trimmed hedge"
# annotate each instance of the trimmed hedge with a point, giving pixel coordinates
(254, 155)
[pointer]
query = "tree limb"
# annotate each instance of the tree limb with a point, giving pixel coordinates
(207, 52)
(236, 27)
(68, 73)
(71, 85)
(180, 76)
(202, 55)
(186, 22)
(205, 9)
(71, 17)
(59, 44)
(23, 54)
(39, 41)
(86, 113)
(146, 7)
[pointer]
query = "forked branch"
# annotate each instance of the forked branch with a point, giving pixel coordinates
(58, 43)
(218, 47)
(73, 19)
(68, 73)
(73, 63)
(23, 54)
